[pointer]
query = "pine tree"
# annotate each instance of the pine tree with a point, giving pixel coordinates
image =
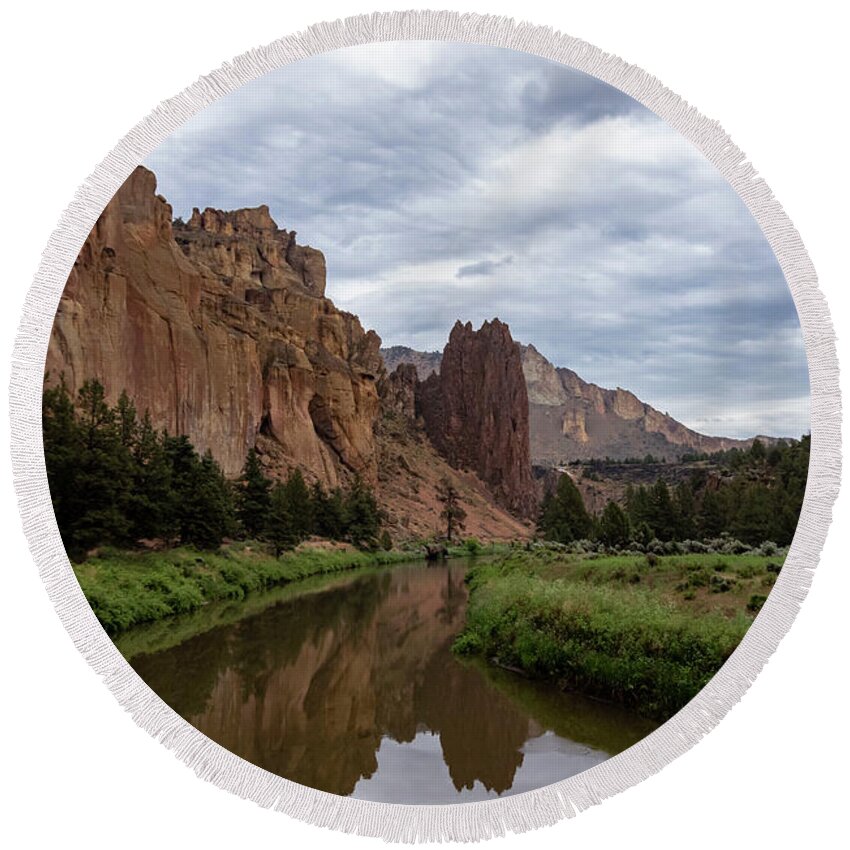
(684, 512)
(280, 529)
(753, 514)
(202, 502)
(712, 515)
(563, 517)
(614, 528)
(661, 511)
(62, 450)
(362, 516)
(152, 505)
(452, 513)
(299, 504)
(335, 517)
(328, 512)
(253, 496)
(638, 505)
(104, 474)
(126, 421)
(319, 510)
(757, 451)
(208, 516)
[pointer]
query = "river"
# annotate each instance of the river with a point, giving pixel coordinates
(348, 684)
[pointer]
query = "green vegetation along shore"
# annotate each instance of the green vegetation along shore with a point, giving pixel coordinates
(642, 630)
(129, 588)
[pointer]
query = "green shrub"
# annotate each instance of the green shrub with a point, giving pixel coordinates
(473, 546)
(722, 584)
(756, 602)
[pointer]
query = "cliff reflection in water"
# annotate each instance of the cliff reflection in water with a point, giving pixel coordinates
(310, 688)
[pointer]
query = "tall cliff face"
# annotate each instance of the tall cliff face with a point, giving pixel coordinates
(411, 472)
(220, 328)
(476, 411)
(573, 419)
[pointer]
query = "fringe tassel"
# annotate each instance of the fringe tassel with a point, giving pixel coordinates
(459, 822)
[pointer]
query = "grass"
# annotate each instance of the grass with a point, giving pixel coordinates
(471, 548)
(647, 633)
(126, 589)
(158, 635)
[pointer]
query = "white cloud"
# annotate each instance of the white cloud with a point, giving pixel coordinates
(403, 64)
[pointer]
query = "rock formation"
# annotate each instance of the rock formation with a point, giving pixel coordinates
(573, 419)
(398, 391)
(425, 362)
(476, 412)
(220, 328)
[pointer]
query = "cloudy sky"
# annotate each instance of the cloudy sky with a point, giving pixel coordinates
(459, 181)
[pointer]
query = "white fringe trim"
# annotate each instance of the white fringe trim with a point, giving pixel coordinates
(469, 821)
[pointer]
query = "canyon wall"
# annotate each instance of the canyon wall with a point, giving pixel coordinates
(424, 362)
(220, 328)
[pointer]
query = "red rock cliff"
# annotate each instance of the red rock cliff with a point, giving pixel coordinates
(476, 411)
(221, 329)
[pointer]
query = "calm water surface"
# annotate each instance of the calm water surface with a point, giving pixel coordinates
(348, 684)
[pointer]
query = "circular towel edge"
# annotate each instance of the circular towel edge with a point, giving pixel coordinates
(412, 823)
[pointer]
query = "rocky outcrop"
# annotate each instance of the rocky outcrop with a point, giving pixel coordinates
(411, 472)
(573, 419)
(398, 391)
(476, 412)
(425, 362)
(220, 328)
(248, 250)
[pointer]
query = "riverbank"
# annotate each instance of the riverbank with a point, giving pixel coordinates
(127, 588)
(647, 632)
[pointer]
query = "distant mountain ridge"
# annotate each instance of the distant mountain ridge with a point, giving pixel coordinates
(427, 363)
(572, 419)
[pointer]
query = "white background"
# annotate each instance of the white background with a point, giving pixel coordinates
(76, 769)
